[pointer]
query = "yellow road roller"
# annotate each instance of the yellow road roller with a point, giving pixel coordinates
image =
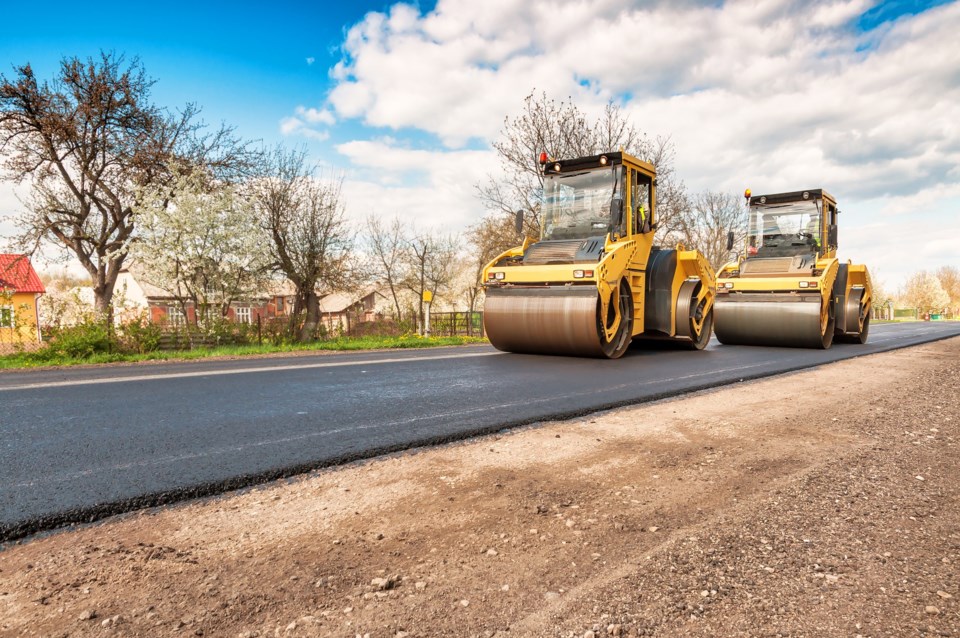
(788, 288)
(594, 282)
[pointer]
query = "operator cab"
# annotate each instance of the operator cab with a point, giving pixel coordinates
(801, 225)
(587, 201)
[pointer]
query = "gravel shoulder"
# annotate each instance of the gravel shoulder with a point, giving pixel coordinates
(821, 503)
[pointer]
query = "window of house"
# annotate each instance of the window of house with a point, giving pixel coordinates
(175, 316)
(6, 317)
(242, 314)
(279, 305)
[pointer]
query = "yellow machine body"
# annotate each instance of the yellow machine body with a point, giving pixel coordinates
(595, 282)
(788, 288)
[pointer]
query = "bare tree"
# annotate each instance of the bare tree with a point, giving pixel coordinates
(89, 141)
(430, 265)
(672, 196)
(705, 225)
(441, 264)
(488, 238)
(561, 129)
(386, 246)
(307, 237)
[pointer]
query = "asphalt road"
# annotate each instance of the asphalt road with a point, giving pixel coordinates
(80, 444)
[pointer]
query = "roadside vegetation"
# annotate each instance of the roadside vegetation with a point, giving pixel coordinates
(93, 348)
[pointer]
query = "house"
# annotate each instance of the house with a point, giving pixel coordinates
(134, 295)
(341, 312)
(20, 290)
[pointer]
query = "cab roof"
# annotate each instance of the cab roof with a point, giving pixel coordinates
(793, 196)
(594, 161)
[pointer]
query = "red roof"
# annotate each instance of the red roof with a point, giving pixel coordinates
(17, 273)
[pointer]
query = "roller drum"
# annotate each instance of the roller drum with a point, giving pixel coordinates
(561, 320)
(769, 321)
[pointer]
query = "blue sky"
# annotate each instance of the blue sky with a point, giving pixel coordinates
(404, 100)
(889, 11)
(246, 65)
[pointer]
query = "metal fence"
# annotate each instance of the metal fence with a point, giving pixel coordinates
(456, 324)
(442, 324)
(172, 335)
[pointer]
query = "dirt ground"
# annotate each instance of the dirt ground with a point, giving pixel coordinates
(823, 503)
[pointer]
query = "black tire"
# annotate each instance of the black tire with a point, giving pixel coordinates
(615, 348)
(859, 338)
(706, 330)
(827, 338)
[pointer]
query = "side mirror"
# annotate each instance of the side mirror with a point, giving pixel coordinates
(729, 240)
(832, 235)
(518, 223)
(616, 211)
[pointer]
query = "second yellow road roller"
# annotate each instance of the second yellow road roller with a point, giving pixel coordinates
(788, 288)
(594, 282)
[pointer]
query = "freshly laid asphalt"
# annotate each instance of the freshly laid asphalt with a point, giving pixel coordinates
(78, 444)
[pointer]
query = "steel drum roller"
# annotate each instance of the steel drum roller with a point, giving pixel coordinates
(771, 321)
(560, 320)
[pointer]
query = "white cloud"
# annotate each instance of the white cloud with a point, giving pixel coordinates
(316, 116)
(776, 96)
(296, 126)
(290, 125)
(310, 61)
(427, 188)
(835, 14)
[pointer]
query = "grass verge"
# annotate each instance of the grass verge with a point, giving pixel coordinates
(44, 358)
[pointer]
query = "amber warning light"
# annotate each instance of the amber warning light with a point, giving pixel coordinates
(746, 193)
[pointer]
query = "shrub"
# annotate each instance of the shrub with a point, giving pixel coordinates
(83, 340)
(139, 335)
(275, 331)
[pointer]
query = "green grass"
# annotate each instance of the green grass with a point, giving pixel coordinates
(43, 358)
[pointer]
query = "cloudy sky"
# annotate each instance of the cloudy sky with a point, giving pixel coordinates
(860, 98)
